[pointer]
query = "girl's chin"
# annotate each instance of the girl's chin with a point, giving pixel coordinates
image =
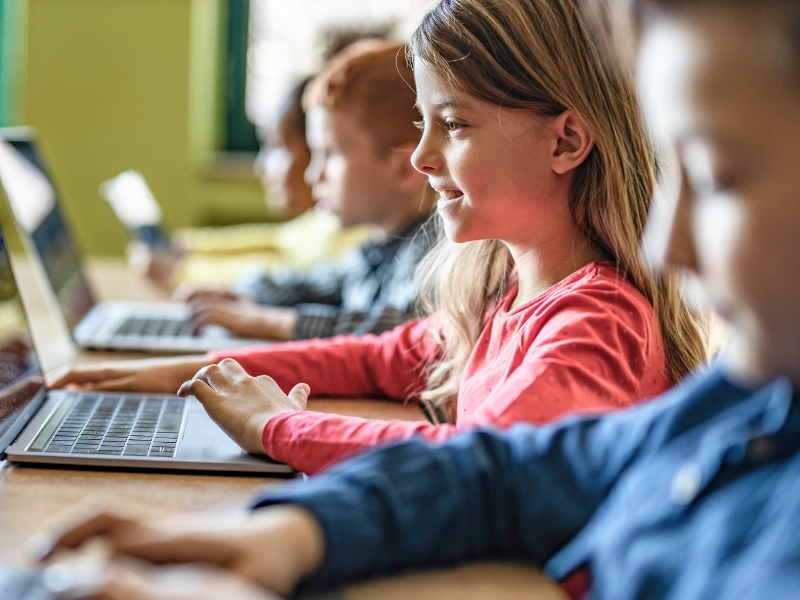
(456, 232)
(445, 204)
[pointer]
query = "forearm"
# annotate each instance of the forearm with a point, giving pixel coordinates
(522, 494)
(309, 441)
(298, 538)
(389, 366)
(478, 496)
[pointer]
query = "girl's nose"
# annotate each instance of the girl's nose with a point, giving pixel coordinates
(426, 158)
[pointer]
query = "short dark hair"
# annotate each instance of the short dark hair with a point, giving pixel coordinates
(292, 114)
(784, 13)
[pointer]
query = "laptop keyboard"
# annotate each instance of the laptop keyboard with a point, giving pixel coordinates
(155, 327)
(122, 426)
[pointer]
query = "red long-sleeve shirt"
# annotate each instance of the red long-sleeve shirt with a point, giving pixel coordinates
(592, 341)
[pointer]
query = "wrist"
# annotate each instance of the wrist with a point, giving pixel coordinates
(307, 540)
(285, 319)
(300, 538)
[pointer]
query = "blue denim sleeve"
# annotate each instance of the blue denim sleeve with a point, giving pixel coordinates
(520, 494)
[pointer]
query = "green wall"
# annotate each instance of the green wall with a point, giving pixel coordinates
(107, 86)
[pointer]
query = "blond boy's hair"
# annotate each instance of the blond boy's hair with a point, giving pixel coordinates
(371, 79)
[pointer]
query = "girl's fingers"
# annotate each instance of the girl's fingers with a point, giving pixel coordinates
(85, 375)
(197, 388)
(119, 384)
(216, 376)
(232, 368)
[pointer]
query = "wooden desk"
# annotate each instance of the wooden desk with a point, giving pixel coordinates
(30, 495)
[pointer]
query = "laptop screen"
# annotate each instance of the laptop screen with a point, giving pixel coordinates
(34, 203)
(20, 376)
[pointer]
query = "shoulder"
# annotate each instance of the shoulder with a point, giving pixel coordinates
(600, 291)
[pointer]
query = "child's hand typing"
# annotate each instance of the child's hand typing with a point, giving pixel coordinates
(155, 375)
(273, 548)
(245, 319)
(240, 404)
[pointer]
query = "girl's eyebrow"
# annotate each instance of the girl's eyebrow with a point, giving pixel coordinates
(446, 102)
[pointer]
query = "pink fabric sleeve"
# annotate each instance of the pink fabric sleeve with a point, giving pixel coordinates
(309, 441)
(590, 355)
(386, 366)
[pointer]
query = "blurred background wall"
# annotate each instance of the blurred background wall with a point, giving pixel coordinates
(112, 85)
(170, 88)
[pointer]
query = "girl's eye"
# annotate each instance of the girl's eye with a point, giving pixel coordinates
(451, 127)
(420, 125)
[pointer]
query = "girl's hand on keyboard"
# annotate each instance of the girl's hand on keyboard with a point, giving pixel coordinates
(154, 375)
(275, 547)
(240, 404)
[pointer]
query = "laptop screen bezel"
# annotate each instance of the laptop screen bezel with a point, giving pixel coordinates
(27, 135)
(27, 413)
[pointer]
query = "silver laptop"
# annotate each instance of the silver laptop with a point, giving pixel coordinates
(153, 326)
(100, 429)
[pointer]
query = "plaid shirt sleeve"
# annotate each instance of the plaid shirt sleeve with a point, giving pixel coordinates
(322, 284)
(388, 275)
(371, 290)
(319, 321)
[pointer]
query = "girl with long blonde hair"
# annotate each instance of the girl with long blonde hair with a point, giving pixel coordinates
(540, 302)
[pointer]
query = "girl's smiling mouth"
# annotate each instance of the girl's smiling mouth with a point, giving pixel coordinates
(449, 196)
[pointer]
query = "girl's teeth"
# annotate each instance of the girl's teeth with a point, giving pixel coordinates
(449, 194)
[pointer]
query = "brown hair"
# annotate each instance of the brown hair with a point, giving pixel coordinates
(548, 56)
(291, 113)
(367, 78)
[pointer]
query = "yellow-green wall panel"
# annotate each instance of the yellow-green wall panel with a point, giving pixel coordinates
(108, 89)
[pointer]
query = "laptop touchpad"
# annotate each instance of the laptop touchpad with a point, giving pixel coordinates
(202, 439)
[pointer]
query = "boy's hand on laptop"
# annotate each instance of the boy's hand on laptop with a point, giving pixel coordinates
(159, 266)
(186, 293)
(274, 547)
(240, 404)
(245, 318)
(128, 579)
(154, 375)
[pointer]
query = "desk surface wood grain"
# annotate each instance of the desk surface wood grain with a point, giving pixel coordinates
(31, 495)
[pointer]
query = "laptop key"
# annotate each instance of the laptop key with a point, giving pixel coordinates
(135, 451)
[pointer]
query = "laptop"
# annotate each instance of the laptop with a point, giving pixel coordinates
(149, 326)
(60, 427)
(136, 209)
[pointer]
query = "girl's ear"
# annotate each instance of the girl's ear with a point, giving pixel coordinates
(406, 177)
(575, 141)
